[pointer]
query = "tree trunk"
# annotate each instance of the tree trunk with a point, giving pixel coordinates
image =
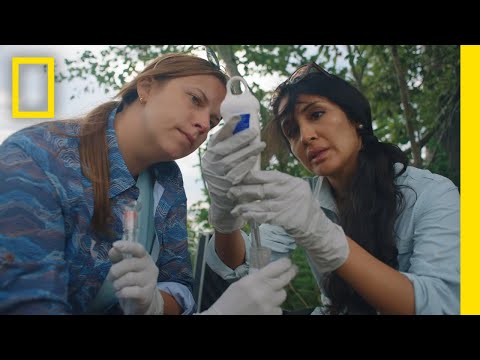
(428, 154)
(226, 54)
(451, 142)
(357, 69)
(402, 82)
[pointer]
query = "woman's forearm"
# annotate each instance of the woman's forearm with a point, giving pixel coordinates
(387, 290)
(170, 305)
(230, 248)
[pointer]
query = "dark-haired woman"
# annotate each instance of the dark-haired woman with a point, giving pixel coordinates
(382, 237)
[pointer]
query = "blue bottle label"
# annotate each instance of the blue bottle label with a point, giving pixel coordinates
(243, 124)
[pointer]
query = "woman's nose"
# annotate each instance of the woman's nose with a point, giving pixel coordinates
(202, 122)
(307, 133)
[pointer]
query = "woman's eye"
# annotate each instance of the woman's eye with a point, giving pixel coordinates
(195, 100)
(317, 114)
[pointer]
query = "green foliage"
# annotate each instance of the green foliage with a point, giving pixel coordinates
(113, 66)
(303, 291)
(200, 213)
(192, 240)
(440, 165)
(431, 73)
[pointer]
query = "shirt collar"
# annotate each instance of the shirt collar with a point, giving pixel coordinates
(120, 177)
(323, 192)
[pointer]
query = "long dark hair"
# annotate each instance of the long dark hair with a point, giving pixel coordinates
(373, 201)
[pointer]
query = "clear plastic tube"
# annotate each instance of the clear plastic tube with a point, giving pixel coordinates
(259, 255)
(130, 227)
(130, 222)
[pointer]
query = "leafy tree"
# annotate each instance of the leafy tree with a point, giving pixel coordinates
(413, 90)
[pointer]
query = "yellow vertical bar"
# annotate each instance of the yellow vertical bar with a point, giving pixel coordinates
(51, 88)
(469, 179)
(15, 87)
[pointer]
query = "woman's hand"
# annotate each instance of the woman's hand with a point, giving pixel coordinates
(134, 276)
(276, 198)
(226, 161)
(259, 293)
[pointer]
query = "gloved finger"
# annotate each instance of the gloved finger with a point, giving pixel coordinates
(225, 165)
(132, 279)
(115, 255)
(261, 217)
(222, 204)
(129, 247)
(237, 174)
(279, 297)
(237, 157)
(243, 194)
(127, 265)
(265, 210)
(234, 142)
(225, 131)
(274, 269)
(219, 186)
(271, 176)
(284, 279)
(136, 293)
(275, 311)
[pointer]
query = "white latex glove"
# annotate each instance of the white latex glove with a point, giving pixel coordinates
(135, 279)
(259, 293)
(227, 160)
(287, 201)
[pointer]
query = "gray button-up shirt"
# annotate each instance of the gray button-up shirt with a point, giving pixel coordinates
(427, 232)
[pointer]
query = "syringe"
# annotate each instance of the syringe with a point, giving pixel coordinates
(130, 222)
(130, 227)
(259, 255)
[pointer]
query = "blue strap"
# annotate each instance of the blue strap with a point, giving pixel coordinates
(106, 298)
(146, 228)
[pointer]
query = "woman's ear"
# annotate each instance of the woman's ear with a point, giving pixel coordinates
(144, 87)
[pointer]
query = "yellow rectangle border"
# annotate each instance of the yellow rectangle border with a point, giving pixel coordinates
(470, 199)
(16, 62)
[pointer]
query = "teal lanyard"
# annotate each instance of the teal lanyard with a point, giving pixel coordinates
(146, 226)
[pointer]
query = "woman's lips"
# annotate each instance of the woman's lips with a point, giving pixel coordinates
(190, 138)
(317, 155)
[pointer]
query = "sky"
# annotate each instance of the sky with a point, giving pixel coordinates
(33, 89)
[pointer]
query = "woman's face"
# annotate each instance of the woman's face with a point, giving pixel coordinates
(322, 137)
(179, 113)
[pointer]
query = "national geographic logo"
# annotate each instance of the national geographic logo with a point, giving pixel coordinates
(16, 113)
